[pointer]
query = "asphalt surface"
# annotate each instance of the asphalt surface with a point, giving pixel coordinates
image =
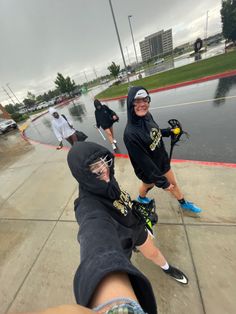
(207, 112)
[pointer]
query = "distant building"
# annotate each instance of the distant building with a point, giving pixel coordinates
(3, 113)
(156, 44)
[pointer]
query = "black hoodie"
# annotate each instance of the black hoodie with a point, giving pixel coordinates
(108, 229)
(143, 140)
(103, 115)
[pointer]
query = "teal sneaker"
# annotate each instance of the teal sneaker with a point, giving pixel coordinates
(191, 207)
(144, 200)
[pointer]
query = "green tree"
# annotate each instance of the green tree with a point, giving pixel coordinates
(65, 85)
(31, 96)
(228, 17)
(29, 102)
(10, 108)
(114, 69)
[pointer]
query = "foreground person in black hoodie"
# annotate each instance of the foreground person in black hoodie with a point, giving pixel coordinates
(109, 231)
(143, 140)
(105, 118)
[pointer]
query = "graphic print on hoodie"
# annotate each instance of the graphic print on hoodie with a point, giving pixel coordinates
(108, 229)
(143, 140)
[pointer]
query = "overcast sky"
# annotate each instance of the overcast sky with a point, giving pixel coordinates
(39, 38)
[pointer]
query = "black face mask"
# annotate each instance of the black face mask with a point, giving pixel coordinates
(113, 189)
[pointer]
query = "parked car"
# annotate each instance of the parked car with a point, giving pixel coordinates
(51, 102)
(7, 125)
(159, 61)
(42, 105)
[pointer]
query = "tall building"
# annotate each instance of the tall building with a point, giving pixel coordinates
(156, 44)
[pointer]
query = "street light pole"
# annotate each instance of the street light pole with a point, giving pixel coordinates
(206, 30)
(128, 54)
(129, 17)
(118, 37)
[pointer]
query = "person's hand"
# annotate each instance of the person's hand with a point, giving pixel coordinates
(60, 145)
(176, 131)
(170, 188)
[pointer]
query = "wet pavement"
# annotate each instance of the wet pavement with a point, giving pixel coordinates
(39, 252)
(207, 112)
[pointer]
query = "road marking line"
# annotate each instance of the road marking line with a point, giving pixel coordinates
(193, 102)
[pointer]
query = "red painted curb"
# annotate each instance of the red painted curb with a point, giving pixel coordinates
(198, 162)
(126, 156)
(182, 84)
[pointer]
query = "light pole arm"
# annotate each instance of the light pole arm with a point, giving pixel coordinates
(129, 16)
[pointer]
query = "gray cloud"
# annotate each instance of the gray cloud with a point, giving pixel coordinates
(40, 38)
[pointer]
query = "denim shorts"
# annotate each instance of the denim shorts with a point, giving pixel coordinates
(119, 306)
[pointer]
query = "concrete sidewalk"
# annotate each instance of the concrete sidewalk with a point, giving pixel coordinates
(39, 252)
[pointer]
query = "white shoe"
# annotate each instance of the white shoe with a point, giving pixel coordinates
(114, 141)
(113, 146)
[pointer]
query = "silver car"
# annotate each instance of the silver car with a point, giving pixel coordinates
(6, 125)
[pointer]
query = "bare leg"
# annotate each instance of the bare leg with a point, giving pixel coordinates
(112, 132)
(109, 135)
(176, 191)
(112, 286)
(144, 188)
(72, 139)
(151, 252)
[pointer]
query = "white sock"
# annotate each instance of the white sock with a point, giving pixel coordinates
(166, 266)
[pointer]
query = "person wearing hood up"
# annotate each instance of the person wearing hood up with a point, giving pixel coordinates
(105, 118)
(147, 153)
(109, 230)
(62, 128)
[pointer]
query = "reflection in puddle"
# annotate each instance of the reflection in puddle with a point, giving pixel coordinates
(47, 122)
(78, 111)
(122, 103)
(223, 88)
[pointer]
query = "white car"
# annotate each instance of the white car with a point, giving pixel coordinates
(42, 105)
(6, 125)
(159, 61)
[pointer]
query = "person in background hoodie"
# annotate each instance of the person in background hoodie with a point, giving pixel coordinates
(143, 140)
(62, 128)
(109, 230)
(105, 118)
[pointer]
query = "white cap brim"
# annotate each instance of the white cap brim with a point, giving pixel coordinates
(141, 94)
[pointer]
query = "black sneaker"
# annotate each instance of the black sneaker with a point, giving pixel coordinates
(176, 274)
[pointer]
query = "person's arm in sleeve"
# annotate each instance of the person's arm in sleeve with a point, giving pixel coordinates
(57, 132)
(112, 113)
(166, 132)
(145, 162)
(58, 136)
(97, 120)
